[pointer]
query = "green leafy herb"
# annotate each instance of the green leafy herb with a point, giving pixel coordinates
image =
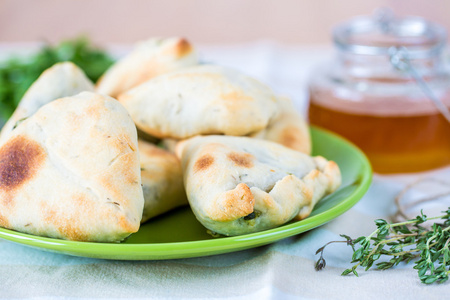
(18, 73)
(403, 242)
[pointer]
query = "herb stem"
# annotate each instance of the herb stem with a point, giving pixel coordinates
(409, 222)
(429, 246)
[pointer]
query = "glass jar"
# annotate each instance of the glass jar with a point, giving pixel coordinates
(378, 92)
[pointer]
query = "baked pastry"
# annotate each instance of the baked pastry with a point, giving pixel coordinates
(289, 128)
(61, 80)
(71, 171)
(239, 185)
(149, 59)
(162, 180)
(200, 100)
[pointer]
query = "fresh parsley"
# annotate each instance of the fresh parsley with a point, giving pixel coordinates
(18, 73)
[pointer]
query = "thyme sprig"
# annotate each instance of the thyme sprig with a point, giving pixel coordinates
(403, 242)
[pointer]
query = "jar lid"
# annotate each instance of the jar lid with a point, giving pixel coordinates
(378, 34)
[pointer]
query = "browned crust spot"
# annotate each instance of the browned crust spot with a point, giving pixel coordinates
(4, 222)
(183, 47)
(125, 225)
(235, 204)
(66, 224)
(307, 190)
(20, 159)
(241, 159)
(203, 162)
(290, 138)
(72, 232)
(70, 225)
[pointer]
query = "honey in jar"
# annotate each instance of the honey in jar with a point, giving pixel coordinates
(362, 96)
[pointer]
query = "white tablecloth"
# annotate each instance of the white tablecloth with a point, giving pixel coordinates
(283, 270)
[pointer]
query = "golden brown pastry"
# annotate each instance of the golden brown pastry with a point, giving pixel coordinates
(61, 80)
(239, 185)
(162, 180)
(150, 58)
(72, 171)
(289, 128)
(201, 100)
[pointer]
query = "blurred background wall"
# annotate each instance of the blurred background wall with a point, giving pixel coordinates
(201, 21)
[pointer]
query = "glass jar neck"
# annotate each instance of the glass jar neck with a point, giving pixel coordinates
(381, 66)
(370, 44)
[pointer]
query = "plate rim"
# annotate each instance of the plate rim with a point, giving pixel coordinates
(186, 249)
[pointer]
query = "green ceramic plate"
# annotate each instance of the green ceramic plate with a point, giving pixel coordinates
(179, 235)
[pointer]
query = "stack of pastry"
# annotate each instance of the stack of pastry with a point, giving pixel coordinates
(72, 166)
